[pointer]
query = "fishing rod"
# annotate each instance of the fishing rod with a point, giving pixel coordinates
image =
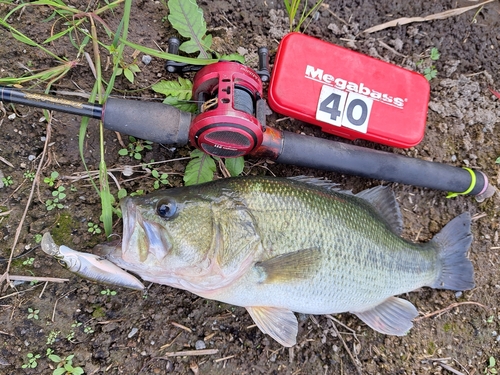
(166, 124)
(231, 122)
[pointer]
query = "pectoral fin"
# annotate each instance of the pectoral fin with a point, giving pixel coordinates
(280, 324)
(299, 264)
(393, 316)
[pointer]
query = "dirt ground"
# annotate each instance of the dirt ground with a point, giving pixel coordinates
(129, 332)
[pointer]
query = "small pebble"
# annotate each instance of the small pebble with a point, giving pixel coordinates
(31, 157)
(132, 333)
(146, 59)
(200, 344)
(12, 116)
(458, 294)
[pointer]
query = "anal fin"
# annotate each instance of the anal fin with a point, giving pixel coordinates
(392, 317)
(281, 324)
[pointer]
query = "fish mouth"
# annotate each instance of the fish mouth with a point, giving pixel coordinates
(143, 240)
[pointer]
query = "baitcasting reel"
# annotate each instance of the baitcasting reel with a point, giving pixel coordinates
(231, 112)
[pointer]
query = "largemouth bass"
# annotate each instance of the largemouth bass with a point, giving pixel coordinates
(277, 246)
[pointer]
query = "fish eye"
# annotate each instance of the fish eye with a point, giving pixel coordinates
(166, 208)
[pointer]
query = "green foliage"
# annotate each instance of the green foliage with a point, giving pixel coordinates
(137, 193)
(491, 368)
(51, 180)
(177, 93)
(429, 70)
(122, 193)
(88, 330)
(435, 54)
(135, 147)
(65, 365)
(58, 195)
(7, 181)
(108, 292)
(498, 160)
(292, 8)
(38, 238)
(235, 165)
(51, 338)
(128, 70)
(29, 175)
(187, 18)
(160, 179)
(32, 360)
(28, 262)
(201, 168)
(33, 314)
(93, 228)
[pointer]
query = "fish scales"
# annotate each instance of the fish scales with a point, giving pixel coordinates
(359, 251)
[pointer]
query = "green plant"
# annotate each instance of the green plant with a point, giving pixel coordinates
(51, 179)
(65, 365)
(38, 238)
(435, 54)
(235, 165)
(52, 336)
(497, 161)
(33, 314)
(178, 93)
(108, 292)
(292, 8)
(93, 228)
(135, 147)
(58, 195)
(32, 360)
(429, 69)
(160, 179)
(28, 262)
(187, 18)
(88, 330)
(7, 181)
(128, 70)
(201, 168)
(29, 175)
(491, 368)
(137, 193)
(70, 336)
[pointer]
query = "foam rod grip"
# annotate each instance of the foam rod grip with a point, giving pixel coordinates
(340, 157)
(156, 122)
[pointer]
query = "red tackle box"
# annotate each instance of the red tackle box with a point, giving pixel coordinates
(347, 93)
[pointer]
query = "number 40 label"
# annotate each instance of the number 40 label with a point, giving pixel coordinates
(341, 108)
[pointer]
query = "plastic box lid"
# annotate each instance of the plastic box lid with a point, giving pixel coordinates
(347, 93)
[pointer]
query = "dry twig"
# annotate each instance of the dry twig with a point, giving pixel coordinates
(452, 306)
(189, 353)
(354, 360)
(437, 16)
(30, 197)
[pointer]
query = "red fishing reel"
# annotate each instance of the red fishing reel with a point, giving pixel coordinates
(229, 96)
(230, 121)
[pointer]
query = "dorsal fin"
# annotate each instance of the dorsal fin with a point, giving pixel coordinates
(382, 198)
(321, 182)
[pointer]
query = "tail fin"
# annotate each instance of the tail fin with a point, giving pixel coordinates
(453, 242)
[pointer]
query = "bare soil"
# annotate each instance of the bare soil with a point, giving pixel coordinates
(135, 333)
